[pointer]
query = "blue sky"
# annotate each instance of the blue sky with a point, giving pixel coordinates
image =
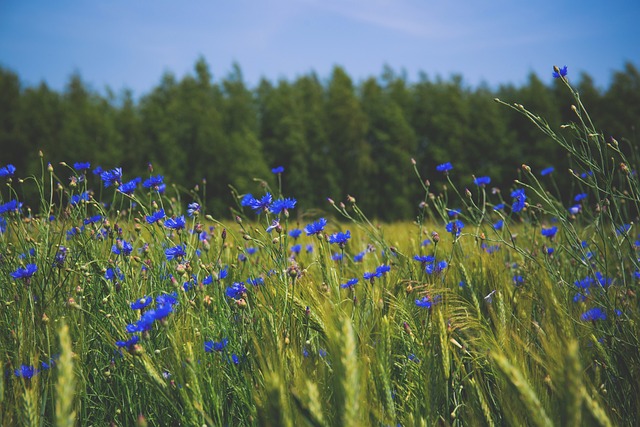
(130, 43)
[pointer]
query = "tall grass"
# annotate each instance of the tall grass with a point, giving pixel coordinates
(482, 316)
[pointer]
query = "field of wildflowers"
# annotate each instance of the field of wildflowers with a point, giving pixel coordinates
(124, 301)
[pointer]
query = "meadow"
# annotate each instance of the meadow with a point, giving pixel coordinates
(124, 302)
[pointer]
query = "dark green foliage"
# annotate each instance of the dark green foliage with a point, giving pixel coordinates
(333, 137)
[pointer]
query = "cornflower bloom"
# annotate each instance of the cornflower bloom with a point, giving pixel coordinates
(482, 181)
(277, 170)
(455, 227)
(175, 223)
(281, 205)
(193, 209)
(25, 371)
(549, 232)
(129, 187)
(593, 314)
(444, 167)
(176, 252)
(547, 171)
(128, 343)
(113, 274)
(316, 227)
(559, 72)
(82, 166)
(295, 233)
(258, 206)
(350, 283)
(340, 238)
(111, 177)
(155, 217)
(211, 346)
(519, 197)
(25, 273)
(77, 198)
(153, 182)
(141, 303)
(579, 197)
(7, 171)
(236, 290)
(122, 247)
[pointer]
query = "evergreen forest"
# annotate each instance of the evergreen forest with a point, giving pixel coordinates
(334, 136)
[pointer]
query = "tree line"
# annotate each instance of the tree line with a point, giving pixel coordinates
(333, 136)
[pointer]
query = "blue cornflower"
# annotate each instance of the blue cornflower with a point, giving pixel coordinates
(113, 274)
(25, 371)
(296, 249)
(382, 269)
(258, 281)
(192, 209)
(593, 314)
(129, 187)
(10, 206)
(236, 290)
(622, 229)
(210, 346)
(175, 223)
(340, 238)
(7, 171)
(122, 247)
(282, 205)
(251, 250)
(424, 302)
(167, 299)
(141, 303)
(3, 224)
(453, 212)
(369, 276)
(580, 197)
(153, 182)
(518, 280)
(25, 273)
(111, 177)
(549, 232)
(82, 166)
(277, 170)
(337, 256)
(549, 251)
(60, 257)
(358, 257)
(547, 171)
(575, 209)
(498, 225)
(98, 170)
(455, 227)
(350, 283)
(498, 207)
(482, 180)
(432, 267)
(295, 233)
(309, 248)
(316, 227)
(155, 217)
(92, 219)
(261, 205)
(275, 225)
(77, 198)
(423, 259)
(444, 167)
(176, 252)
(561, 72)
(519, 197)
(585, 175)
(128, 343)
